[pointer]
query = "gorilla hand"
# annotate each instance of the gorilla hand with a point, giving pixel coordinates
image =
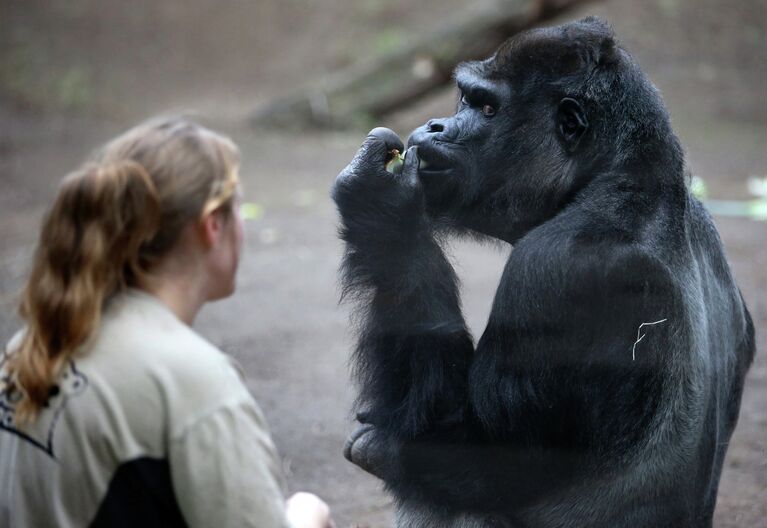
(374, 202)
(368, 449)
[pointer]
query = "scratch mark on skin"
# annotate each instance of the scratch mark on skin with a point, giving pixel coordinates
(639, 338)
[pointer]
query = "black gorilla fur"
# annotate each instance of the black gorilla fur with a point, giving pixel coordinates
(560, 416)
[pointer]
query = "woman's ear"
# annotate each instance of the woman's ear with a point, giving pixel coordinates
(211, 228)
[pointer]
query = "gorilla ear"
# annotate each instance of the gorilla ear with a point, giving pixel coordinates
(571, 122)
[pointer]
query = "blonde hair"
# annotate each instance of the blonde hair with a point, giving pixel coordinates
(111, 221)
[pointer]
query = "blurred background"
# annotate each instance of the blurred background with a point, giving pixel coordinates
(74, 73)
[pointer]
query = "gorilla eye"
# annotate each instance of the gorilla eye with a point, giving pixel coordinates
(488, 111)
(465, 100)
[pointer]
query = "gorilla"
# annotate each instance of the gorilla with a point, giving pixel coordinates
(606, 385)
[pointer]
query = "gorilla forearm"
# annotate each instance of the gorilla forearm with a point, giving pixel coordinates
(413, 351)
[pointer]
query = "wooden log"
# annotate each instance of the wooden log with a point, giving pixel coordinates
(365, 91)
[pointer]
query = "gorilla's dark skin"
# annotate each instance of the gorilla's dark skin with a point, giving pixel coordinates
(558, 417)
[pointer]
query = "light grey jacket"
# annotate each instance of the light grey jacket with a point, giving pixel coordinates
(150, 426)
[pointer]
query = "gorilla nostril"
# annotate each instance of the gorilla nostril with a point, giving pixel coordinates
(436, 126)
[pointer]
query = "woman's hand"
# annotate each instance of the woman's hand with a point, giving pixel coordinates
(306, 510)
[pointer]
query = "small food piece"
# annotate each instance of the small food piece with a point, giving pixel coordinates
(396, 162)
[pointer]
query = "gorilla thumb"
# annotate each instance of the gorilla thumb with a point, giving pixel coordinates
(410, 168)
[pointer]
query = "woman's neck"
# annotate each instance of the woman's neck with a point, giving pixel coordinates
(182, 294)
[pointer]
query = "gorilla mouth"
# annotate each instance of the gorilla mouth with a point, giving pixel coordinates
(433, 161)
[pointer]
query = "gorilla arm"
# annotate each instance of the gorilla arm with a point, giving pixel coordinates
(558, 399)
(413, 351)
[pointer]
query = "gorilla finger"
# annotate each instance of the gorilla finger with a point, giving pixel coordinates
(372, 153)
(410, 169)
(344, 177)
(367, 454)
(348, 449)
(389, 137)
(353, 438)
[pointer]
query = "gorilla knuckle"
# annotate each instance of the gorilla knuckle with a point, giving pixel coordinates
(343, 183)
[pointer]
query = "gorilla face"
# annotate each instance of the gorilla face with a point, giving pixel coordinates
(459, 163)
(521, 141)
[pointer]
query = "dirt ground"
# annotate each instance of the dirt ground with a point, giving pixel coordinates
(76, 73)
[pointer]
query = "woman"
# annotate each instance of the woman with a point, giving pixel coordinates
(113, 411)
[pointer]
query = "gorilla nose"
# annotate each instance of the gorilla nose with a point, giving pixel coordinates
(443, 129)
(435, 125)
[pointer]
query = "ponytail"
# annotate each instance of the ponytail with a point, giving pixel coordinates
(89, 249)
(109, 225)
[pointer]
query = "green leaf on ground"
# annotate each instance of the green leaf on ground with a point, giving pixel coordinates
(251, 211)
